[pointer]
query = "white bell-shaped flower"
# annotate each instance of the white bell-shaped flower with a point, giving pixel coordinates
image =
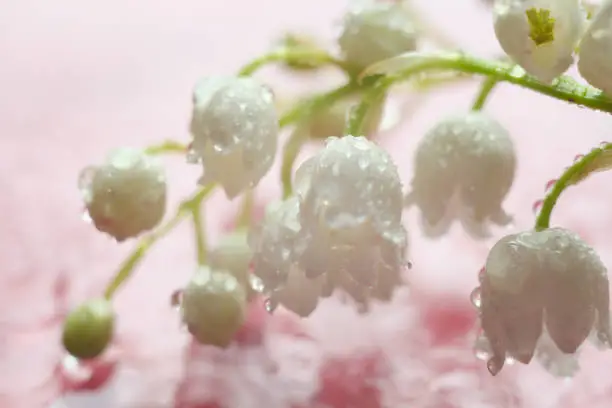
(547, 282)
(235, 129)
(595, 53)
(463, 168)
(213, 306)
(272, 243)
(539, 35)
(350, 211)
(373, 31)
(126, 195)
(298, 293)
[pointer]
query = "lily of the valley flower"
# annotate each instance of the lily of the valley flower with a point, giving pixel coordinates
(350, 198)
(542, 283)
(235, 129)
(463, 168)
(539, 35)
(595, 53)
(373, 31)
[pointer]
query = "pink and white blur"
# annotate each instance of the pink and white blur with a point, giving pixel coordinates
(80, 78)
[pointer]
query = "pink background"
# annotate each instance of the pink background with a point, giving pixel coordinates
(78, 78)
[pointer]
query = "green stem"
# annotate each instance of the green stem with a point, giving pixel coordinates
(200, 237)
(168, 146)
(126, 269)
(563, 88)
(357, 116)
(485, 90)
(543, 218)
(286, 54)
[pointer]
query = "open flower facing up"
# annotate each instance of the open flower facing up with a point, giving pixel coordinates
(235, 129)
(545, 289)
(213, 306)
(126, 195)
(595, 53)
(539, 35)
(350, 198)
(463, 168)
(373, 31)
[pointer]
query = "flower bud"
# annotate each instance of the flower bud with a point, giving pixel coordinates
(373, 31)
(235, 130)
(88, 329)
(213, 306)
(126, 195)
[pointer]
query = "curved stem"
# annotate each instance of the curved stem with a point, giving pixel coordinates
(286, 54)
(485, 90)
(126, 269)
(291, 151)
(566, 180)
(563, 88)
(357, 116)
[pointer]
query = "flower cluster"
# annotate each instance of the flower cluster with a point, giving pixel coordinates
(339, 225)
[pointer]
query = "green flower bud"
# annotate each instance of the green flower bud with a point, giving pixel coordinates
(88, 329)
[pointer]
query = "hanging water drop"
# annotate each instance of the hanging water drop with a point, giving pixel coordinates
(176, 298)
(578, 157)
(494, 366)
(74, 370)
(192, 156)
(270, 305)
(475, 298)
(537, 206)
(549, 186)
(604, 145)
(482, 348)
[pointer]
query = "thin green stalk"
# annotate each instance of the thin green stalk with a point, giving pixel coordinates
(286, 54)
(485, 90)
(168, 146)
(200, 237)
(185, 209)
(566, 180)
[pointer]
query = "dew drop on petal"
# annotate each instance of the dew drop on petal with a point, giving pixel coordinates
(578, 157)
(481, 274)
(192, 157)
(482, 348)
(270, 305)
(74, 370)
(537, 206)
(475, 297)
(549, 186)
(604, 145)
(175, 299)
(257, 284)
(86, 217)
(84, 182)
(510, 360)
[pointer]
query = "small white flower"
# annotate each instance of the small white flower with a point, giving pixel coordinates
(272, 243)
(548, 282)
(549, 56)
(213, 306)
(125, 195)
(298, 293)
(235, 129)
(463, 168)
(373, 31)
(350, 211)
(594, 55)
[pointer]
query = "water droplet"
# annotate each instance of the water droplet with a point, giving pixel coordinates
(482, 348)
(270, 305)
(86, 217)
(409, 264)
(537, 206)
(494, 366)
(510, 360)
(257, 284)
(578, 157)
(481, 274)
(475, 297)
(175, 299)
(192, 157)
(84, 182)
(549, 186)
(74, 370)
(604, 145)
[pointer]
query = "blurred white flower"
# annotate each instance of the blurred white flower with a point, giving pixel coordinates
(213, 306)
(373, 31)
(595, 53)
(546, 53)
(235, 129)
(463, 168)
(125, 195)
(350, 198)
(542, 282)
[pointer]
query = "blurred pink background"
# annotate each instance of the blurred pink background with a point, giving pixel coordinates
(78, 78)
